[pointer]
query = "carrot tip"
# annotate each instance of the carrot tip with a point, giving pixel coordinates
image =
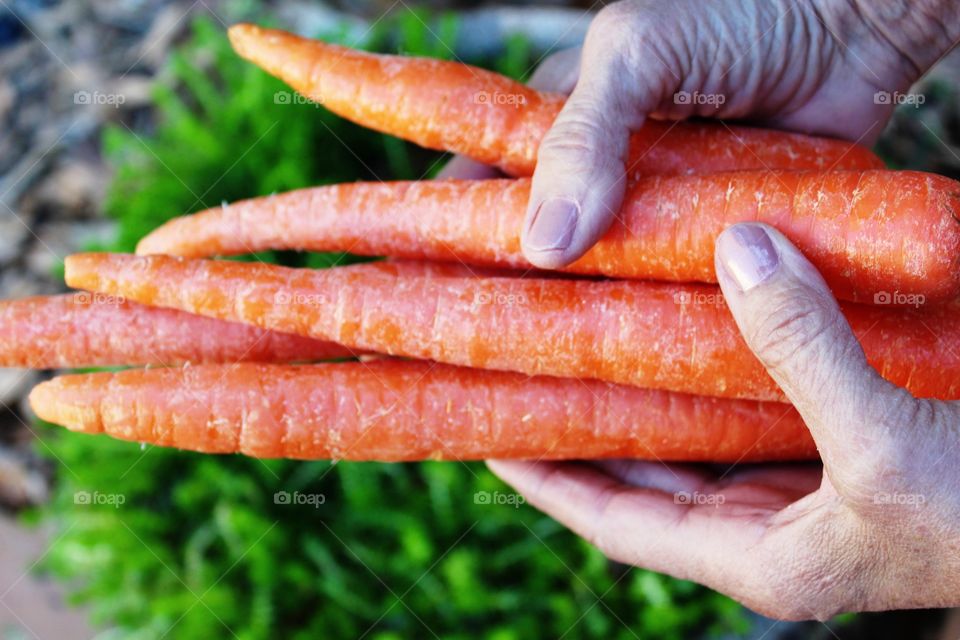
(46, 401)
(239, 33)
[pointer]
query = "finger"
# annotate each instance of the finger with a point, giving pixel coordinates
(799, 479)
(463, 168)
(792, 322)
(772, 485)
(558, 72)
(669, 478)
(579, 181)
(644, 527)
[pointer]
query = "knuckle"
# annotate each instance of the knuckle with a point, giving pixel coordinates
(576, 137)
(792, 330)
(618, 36)
(615, 24)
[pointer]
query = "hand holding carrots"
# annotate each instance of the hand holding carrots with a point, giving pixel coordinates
(878, 529)
(553, 367)
(813, 67)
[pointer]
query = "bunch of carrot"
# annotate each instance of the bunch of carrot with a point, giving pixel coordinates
(641, 360)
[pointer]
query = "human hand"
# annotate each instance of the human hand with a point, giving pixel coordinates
(813, 67)
(878, 528)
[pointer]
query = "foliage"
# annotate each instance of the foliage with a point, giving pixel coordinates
(200, 544)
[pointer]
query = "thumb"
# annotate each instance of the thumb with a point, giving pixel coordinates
(793, 324)
(579, 181)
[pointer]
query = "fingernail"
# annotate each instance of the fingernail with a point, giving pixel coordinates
(553, 225)
(748, 255)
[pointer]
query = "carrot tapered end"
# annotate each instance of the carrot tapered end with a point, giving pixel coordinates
(81, 270)
(243, 34)
(70, 401)
(285, 55)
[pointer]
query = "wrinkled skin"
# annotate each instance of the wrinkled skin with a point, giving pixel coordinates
(813, 67)
(878, 525)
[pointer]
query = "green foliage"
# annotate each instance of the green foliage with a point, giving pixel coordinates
(199, 544)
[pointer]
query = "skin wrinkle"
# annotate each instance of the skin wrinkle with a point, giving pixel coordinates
(800, 90)
(887, 28)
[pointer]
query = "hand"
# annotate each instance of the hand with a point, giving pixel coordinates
(877, 529)
(812, 67)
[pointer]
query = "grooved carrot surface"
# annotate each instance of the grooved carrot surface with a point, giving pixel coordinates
(85, 330)
(679, 337)
(455, 107)
(393, 411)
(867, 232)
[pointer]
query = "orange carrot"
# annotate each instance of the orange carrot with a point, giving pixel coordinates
(85, 330)
(868, 232)
(678, 337)
(455, 107)
(393, 411)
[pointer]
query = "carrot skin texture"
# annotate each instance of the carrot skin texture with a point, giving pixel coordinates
(677, 337)
(80, 330)
(400, 411)
(454, 107)
(867, 232)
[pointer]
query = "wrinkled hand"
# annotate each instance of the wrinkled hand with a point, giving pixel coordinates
(812, 67)
(878, 528)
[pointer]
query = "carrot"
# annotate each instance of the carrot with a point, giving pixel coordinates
(394, 411)
(81, 330)
(451, 106)
(868, 232)
(678, 337)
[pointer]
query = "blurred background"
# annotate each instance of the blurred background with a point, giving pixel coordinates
(115, 116)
